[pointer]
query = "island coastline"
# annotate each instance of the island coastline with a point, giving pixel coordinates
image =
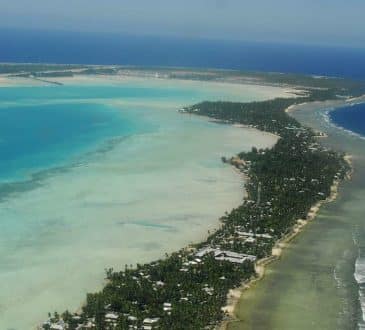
(234, 295)
(286, 238)
(330, 105)
(260, 265)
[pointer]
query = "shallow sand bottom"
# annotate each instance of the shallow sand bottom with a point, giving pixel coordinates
(151, 193)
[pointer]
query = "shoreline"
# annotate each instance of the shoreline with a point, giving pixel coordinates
(350, 209)
(260, 267)
(234, 295)
(119, 74)
(260, 90)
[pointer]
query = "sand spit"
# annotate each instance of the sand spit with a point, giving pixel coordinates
(262, 91)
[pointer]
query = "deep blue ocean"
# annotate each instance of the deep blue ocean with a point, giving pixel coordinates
(351, 118)
(94, 48)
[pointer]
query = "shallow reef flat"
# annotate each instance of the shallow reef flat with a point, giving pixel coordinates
(121, 202)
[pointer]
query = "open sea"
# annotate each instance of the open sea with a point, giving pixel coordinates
(97, 48)
(350, 118)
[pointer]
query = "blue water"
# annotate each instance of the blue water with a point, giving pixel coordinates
(45, 130)
(89, 91)
(67, 47)
(48, 127)
(351, 118)
(37, 137)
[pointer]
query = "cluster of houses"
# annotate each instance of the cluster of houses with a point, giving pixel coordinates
(194, 258)
(111, 320)
(222, 255)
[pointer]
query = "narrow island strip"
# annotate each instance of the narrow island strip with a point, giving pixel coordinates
(188, 289)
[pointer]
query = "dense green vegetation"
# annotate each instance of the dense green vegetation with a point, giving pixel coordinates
(187, 290)
(340, 86)
(104, 71)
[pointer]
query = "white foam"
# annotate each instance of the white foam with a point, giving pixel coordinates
(330, 122)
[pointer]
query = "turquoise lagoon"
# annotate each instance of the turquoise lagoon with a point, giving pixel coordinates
(101, 175)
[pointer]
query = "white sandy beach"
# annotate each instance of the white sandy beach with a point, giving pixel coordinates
(228, 90)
